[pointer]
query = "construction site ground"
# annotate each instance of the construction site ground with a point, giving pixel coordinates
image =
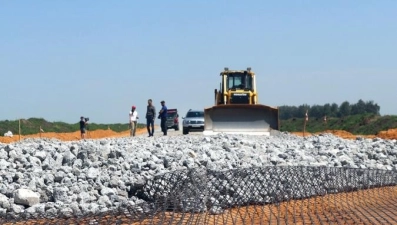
(372, 206)
(97, 134)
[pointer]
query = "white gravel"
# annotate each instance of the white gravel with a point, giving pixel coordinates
(45, 176)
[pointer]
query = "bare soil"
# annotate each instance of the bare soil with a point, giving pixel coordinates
(73, 136)
(342, 134)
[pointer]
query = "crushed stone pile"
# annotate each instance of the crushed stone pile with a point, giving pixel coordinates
(48, 176)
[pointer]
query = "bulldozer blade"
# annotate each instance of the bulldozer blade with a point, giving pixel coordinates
(241, 119)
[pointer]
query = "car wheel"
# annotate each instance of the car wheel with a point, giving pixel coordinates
(185, 131)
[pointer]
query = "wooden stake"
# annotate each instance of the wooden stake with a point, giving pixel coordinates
(304, 125)
(19, 129)
(40, 131)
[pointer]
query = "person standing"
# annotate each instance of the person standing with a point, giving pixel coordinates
(82, 127)
(163, 118)
(150, 115)
(133, 120)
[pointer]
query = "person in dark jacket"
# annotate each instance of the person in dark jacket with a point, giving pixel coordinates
(83, 124)
(150, 115)
(163, 118)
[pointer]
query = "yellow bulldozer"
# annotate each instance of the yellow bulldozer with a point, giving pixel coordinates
(237, 109)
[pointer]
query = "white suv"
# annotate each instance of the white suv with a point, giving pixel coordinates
(193, 121)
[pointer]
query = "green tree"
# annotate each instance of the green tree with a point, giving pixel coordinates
(344, 109)
(287, 112)
(302, 110)
(358, 108)
(334, 110)
(317, 111)
(371, 107)
(327, 110)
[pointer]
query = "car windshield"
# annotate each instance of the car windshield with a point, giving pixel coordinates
(239, 81)
(171, 114)
(195, 114)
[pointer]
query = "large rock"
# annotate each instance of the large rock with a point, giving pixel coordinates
(4, 202)
(92, 173)
(26, 197)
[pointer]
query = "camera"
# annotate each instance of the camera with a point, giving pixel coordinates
(86, 119)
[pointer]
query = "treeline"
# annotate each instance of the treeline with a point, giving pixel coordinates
(329, 110)
(32, 126)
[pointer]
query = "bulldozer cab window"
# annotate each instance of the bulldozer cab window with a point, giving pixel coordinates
(239, 81)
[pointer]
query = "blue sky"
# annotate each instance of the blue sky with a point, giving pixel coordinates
(60, 60)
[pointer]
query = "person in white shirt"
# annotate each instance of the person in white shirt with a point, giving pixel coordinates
(133, 120)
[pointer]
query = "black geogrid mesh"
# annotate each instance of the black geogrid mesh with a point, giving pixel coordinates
(195, 196)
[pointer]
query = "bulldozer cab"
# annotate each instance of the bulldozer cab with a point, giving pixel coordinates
(236, 87)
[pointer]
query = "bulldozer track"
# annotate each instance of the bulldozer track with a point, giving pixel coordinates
(370, 206)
